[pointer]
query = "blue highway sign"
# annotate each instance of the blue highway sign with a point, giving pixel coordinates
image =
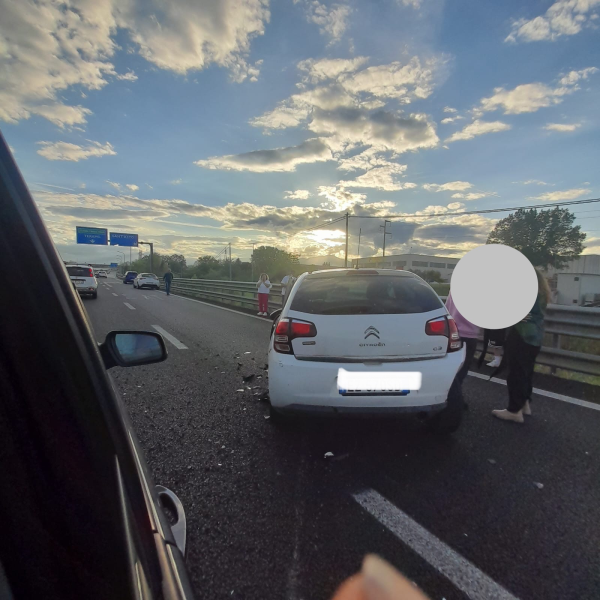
(92, 235)
(123, 239)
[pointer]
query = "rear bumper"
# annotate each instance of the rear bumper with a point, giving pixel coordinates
(311, 386)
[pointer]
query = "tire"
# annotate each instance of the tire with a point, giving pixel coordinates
(448, 420)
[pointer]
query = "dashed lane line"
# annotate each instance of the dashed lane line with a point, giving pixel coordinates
(546, 393)
(170, 337)
(117, 295)
(462, 573)
(129, 305)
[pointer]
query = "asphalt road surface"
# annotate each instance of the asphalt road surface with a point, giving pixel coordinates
(496, 511)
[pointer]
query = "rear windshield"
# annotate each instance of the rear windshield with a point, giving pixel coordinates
(148, 275)
(365, 295)
(79, 271)
(131, 274)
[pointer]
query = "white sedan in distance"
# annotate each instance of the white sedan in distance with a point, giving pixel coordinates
(365, 342)
(146, 280)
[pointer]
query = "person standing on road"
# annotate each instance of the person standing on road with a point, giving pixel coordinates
(469, 335)
(286, 286)
(521, 348)
(264, 287)
(168, 277)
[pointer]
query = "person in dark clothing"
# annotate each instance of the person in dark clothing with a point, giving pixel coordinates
(168, 277)
(521, 348)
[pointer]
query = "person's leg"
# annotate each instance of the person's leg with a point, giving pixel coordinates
(259, 297)
(168, 287)
(521, 362)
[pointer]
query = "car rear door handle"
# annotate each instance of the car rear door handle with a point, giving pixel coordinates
(170, 500)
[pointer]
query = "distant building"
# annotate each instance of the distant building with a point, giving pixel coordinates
(578, 289)
(588, 264)
(414, 262)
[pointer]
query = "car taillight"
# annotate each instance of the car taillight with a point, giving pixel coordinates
(445, 326)
(289, 329)
(90, 273)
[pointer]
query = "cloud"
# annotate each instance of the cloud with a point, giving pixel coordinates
(416, 4)
(348, 128)
(82, 212)
(565, 17)
(381, 178)
(132, 187)
(338, 199)
(176, 181)
(451, 186)
(450, 120)
(49, 47)
(572, 194)
(478, 127)
(117, 186)
(332, 21)
(129, 76)
(473, 195)
(264, 161)
(564, 127)
(73, 152)
(449, 109)
(297, 195)
(330, 68)
(530, 97)
(533, 182)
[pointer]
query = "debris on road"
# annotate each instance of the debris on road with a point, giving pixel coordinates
(240, 390)
(491, 461)
(539, 486)
(267, 417)
(247, 352)
(328, 455)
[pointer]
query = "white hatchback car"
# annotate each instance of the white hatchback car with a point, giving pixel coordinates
(83, 278)
(366, 341)
(148, 280)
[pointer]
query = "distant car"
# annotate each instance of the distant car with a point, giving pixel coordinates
(148, 280)
(83, 278)
(101, 273)
(130, 276)
(351, 341)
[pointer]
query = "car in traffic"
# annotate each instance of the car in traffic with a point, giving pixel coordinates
(101, 273)
(146, 280)
(84, 279)
(365, 342)
(89, 522)
(130, 276)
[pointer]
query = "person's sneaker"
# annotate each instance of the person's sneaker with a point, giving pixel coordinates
(259, 314)
(527, 409)
(506, 415)
(495, 362)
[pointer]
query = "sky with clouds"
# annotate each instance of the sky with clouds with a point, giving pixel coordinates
(196, 123)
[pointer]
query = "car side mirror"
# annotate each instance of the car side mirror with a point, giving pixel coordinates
(132, 349)
(275, 314)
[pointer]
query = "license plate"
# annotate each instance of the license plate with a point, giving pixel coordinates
(360, 383)
(79, 281)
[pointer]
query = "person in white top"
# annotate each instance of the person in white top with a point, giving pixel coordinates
(264, 287)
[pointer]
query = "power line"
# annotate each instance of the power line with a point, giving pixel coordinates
(477, 212)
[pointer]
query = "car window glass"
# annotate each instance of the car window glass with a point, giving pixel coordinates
(365, 295)
(78, 271)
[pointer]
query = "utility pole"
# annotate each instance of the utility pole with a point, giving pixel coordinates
(252, 260)
(346, 253)
(385, 232)
(151, 244)
(358, 253)
(230, 278)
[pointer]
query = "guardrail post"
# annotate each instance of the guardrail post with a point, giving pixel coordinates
(555, 344)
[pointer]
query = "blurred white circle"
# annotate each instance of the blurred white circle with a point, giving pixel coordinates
(494, 286)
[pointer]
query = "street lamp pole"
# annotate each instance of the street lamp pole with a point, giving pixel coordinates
(151, 244)
(123, 253)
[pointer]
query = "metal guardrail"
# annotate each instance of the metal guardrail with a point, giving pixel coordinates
(561, 321)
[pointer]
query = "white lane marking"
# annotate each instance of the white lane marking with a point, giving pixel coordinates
(462, 573)
(171, 338)
(145, 296)
(129, 305)
(546, 393)
(237, 312)
(117, 295)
